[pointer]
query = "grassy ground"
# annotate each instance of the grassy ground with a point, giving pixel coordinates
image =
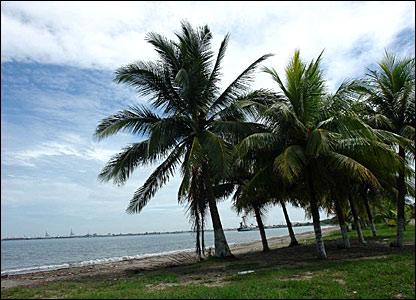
(371, 271)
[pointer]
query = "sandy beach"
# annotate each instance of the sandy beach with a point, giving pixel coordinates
(116, 269)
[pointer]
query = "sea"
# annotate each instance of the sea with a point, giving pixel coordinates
(26, 256)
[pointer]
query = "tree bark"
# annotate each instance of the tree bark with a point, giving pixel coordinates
(369, 214)
(222, 249)
(261, 229)
(400, 201)
(202, 235)
(221, 245)
(320, 247)
(198, 243)
(293, 241)
(356, 220)
(342, 225)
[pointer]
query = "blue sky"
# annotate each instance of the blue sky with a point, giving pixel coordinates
(57, 65)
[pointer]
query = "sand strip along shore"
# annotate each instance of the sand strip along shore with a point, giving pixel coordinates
(146, 263)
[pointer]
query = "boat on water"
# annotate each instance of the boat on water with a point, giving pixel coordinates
(245, 227)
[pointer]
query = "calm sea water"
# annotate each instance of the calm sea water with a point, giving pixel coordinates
(25, 256)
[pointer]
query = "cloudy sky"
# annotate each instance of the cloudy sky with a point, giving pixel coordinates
(57, 66)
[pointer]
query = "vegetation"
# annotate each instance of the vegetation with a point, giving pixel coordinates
(191, 124)
(275, 276)
(349, 152)
(389, 99)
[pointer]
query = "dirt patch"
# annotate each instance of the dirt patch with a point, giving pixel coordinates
(302, 276)
(160, 286)
(210, 283)
(367, 258)
(340, 281)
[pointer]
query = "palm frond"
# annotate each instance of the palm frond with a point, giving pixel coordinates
(155, 181)
(166, 49)
(238, 86)
(261, 141)
(136, 120)
(121, 166)
(212, 86)
(218, 152)
(354, 169)
(290, 163)
(194, 158)
(153, 80)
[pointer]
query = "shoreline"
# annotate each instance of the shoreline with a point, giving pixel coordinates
(146, 262)
(136, 234)
(112, 259)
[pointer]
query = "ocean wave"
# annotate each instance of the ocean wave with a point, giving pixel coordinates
(90, 262)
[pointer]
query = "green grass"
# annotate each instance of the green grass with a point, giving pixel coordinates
(383, 232)
(389, 276)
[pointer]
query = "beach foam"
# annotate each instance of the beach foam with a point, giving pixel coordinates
(88, 262)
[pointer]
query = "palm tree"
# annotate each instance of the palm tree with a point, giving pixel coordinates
(190, 123)
(390, 92)
(313, 138)
(356, 218)
(257, 207)
(365, 192)
(341, 220)
(293, 240)
(256, 203)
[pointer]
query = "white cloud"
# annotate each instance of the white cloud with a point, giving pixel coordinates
(69, 144)
(107, 35)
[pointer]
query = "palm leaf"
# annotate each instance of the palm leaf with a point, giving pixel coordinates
(290, 163)
(122, 165)
(136, 119)
(155, 181)
(238, 86)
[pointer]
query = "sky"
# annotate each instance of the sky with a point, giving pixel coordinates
(57, 67)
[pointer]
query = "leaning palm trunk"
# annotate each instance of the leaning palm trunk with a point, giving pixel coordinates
(400, 201)
(342, 225)
(221, 245)
(261, 229)
(356, 220)
(370, 215)
(293, 241)
(320, 247)
(202, 235)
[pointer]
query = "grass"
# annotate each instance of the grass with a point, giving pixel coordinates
(388, 274)
(383, 232)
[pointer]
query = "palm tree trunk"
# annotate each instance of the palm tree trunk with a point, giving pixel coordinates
(261, 229)
(400, 201)
(202, 235)
(370, 215)
(293, 241)
(342, 225)
(363, 223)
(221, 245)
(320, 247)
(198, 242)
(356, 220)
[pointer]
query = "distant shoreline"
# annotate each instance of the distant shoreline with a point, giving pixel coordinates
(147, 233)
